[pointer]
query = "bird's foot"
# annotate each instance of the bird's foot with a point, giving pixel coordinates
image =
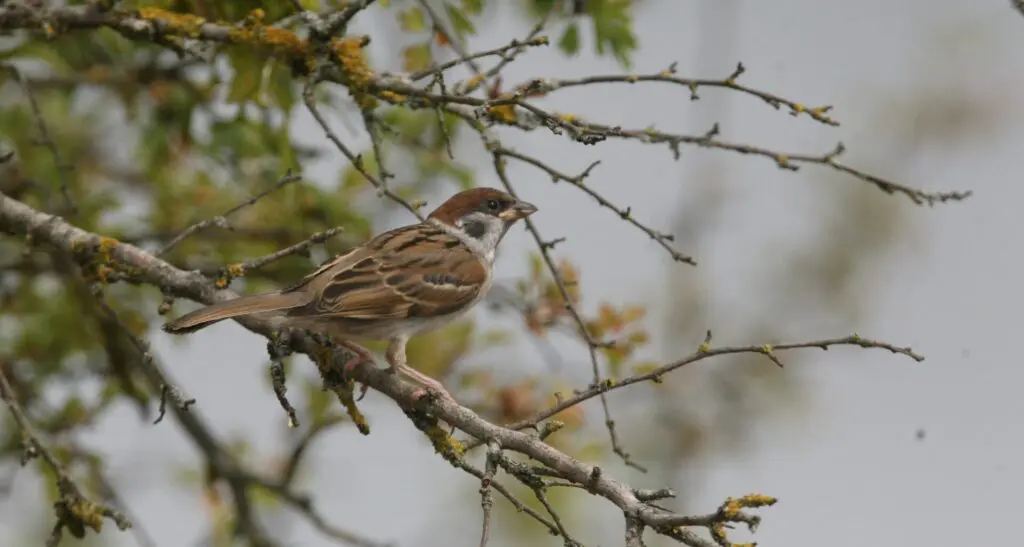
(430, 389)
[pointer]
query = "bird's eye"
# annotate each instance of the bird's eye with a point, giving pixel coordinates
(493, 204)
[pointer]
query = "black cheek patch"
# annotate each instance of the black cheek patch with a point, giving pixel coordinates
(474, 229)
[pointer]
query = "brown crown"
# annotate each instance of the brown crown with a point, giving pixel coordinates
(466, 202)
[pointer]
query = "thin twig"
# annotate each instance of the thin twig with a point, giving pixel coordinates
(453, 41)
(176, 397)
(279, 350)
(592, 344)
(625, 214)
(221, 220)
(486, 496)
(46, 139)
(705, 351)
(820, 113)
(355, 159)
(528, 477)
(305, 507)
(298, 248)
(500, 51)
(20, 15)
(247, 523)
(532, 38)
(518, 504)
(74, 510)
(239, 269)
(593, 133)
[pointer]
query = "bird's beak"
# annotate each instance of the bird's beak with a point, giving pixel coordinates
(518, 211)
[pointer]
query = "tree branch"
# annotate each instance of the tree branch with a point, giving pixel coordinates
(74, 510)
(19, 218)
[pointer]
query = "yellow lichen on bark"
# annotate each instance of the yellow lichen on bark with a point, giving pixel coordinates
(349, 54)
(277, 42)
(444, 444)
(107, 244)
(184, 24)
(503, 112)
(89, 513)
(280, 41)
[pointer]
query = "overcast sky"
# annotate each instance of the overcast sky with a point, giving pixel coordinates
(856, 474)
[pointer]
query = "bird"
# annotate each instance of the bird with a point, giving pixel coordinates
(405, 281)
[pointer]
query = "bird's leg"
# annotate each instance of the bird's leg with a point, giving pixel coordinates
(396, 359)
(360, 356)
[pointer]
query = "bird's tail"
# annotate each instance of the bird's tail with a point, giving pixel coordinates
(244, 305)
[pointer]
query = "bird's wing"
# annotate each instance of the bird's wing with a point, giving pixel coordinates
(414, 272)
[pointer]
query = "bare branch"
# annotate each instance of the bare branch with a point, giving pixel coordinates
(486, 497)
(176, 397)
(705, 351)
(514, 45)
(74, 510)
(49, 229)
(44, 135)
(592, 344)
(353, 158)
(819, 113)
(453, 41)
(634, 533)
(221, 220)
(626, 214)
(522, 114)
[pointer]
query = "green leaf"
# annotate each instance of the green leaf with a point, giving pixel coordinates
(460, 23)
(285, 150)
(570, 40)
(613, 29)
(412, 20)
(417, 57)
(281, 87)
(248, 76)
(540, 8)
(474, 7)
(239, 137)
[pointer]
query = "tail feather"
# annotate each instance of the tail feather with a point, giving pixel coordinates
(244, 305)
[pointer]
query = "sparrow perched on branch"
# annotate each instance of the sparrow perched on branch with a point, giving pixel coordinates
(405, 281)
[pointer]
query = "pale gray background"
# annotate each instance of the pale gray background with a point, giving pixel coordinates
(853, 472)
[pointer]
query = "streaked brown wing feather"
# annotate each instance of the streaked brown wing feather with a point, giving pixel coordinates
(415, 271)
(433, 291)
